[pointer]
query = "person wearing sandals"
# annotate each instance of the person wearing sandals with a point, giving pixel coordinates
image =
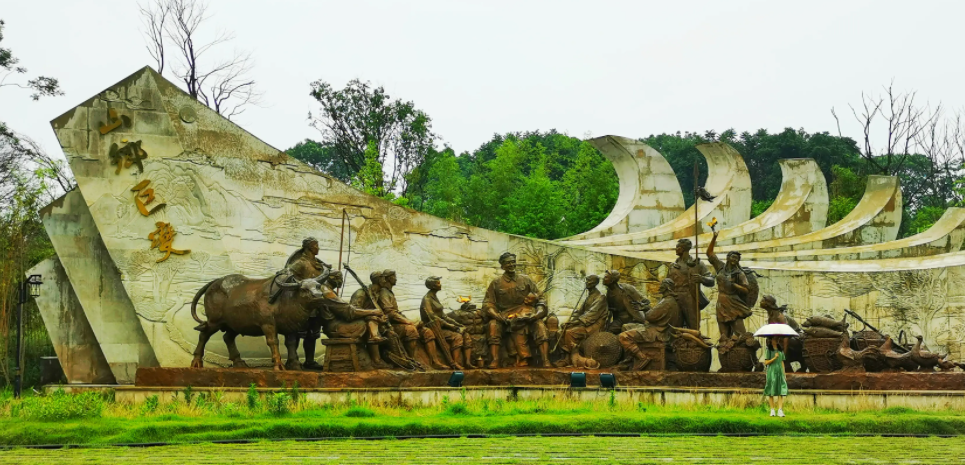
(775, 388)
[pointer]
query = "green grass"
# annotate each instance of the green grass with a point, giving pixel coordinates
(90, 418)
(529, 450)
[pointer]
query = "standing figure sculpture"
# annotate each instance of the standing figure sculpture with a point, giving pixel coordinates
(626, 303)
(505, 295)
(590, 318)
(688, 274)
(458, 343)
(304, 264)
(410, 331)
(736, 292)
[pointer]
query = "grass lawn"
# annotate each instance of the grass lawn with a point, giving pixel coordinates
(529, 450)
(92, 418)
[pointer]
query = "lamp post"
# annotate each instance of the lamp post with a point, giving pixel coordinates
(29, 287)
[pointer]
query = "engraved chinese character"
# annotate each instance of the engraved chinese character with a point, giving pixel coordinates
(161, 239)
(124, 157)
(147, 195)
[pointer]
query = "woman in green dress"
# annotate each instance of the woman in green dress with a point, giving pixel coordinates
(775, 388)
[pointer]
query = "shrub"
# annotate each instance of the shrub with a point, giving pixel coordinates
(252, 397)
(457, 408)
(278, 403)
(62, 406)
(150, 404)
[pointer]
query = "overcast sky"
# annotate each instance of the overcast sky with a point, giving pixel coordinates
(479, 68)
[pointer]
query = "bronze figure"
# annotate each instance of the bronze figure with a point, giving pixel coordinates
(659, 321)
(589, 319)
(410, 331)
(240, 306)
(450, 335)
(736, 292)
(626, 303)
(304, 264)
(688, 274)
(507, 294)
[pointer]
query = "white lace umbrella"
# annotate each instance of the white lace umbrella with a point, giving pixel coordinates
(775, 329)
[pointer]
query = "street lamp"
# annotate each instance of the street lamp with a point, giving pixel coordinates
(29, 287)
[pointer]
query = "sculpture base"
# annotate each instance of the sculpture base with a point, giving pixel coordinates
(552, 377)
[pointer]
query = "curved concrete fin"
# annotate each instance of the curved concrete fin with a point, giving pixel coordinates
(801, 206)
(945, 236)
(649, 191)
(728, 181)
(874, 220)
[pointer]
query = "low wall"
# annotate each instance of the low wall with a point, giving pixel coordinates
(631, 397)
(543, 377)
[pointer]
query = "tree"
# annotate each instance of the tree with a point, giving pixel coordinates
(360, 114)
(322, 157)
(903, 119)
(225, 84)
(444, 194)
(43, 86)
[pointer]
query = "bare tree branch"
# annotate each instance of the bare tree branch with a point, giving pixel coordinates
(225, 85)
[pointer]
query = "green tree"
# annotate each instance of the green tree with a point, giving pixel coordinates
(352, 118)
(321, 157)
(444, 190)
(845, 191)
(536, 207)
(590, 189)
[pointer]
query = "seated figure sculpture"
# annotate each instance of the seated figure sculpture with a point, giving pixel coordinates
(656, 329)
(626, 303)
(342, 320)
(471, 317)
(590, 318)
(411, 332)
(458, 343)
(504, 295)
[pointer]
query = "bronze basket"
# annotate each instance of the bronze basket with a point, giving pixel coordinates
(738, 358)
(691, 356)
(820, 354)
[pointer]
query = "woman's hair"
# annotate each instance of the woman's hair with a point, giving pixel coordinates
(774, 343)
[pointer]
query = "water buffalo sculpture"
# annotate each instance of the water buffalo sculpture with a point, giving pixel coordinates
(239, 305)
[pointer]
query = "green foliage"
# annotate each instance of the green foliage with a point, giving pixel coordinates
(359, 412)
(354, 118)
(924, 219)
(252, 397)
(188, 394)
(760, 206)
(150, 404)
(279, 403)
(545, 185)
(369, 178)
(845, 191)
(322, 157)
(60, 406)
(43, 86)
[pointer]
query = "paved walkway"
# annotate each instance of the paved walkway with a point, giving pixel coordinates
(529, 450)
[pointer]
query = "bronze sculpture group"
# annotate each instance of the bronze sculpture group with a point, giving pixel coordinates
(514, 326)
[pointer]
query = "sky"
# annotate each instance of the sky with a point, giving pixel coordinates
(478, 68)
